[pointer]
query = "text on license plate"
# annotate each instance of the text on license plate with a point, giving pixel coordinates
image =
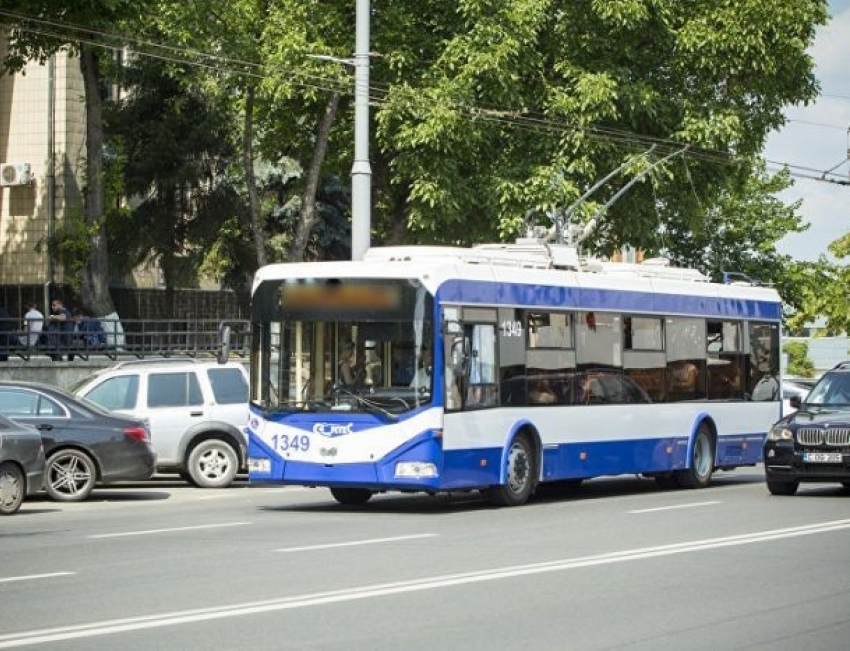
(822, 457)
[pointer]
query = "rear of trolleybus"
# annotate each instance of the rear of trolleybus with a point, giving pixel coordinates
(343, 386)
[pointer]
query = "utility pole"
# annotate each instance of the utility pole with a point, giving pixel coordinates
(361, 171)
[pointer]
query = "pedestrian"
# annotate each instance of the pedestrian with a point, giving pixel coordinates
(88, 333)
(59, 328)
(33, 325)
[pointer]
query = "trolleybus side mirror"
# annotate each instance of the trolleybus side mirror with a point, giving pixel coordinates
(223, 352)
(462, 343)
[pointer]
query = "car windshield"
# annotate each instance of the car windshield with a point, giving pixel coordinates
(833, 390)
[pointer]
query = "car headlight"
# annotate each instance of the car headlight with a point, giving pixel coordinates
(780, 433)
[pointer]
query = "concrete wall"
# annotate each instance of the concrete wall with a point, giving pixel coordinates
(61, 374)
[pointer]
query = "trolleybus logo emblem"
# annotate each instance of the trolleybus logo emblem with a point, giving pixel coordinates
(332, 429)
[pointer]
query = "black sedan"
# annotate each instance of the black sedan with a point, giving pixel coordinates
(813, 443)
(83, 443)
(21, 464)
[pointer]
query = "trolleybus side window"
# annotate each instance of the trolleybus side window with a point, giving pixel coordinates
(725, 357)
(599, 340)
(480, 333)
(686, 353)
(762, 383)
(551, 358)
(644, 359)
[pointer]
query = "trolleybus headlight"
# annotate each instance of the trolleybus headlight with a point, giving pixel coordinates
(415, 470)
(778, 433)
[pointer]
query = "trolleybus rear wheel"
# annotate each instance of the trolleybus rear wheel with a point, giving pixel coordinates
(698, 474)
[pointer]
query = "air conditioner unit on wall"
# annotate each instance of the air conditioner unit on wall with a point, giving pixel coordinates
(15, 174)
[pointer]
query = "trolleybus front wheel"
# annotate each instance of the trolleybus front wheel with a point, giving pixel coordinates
(520, 475)
(351, 496)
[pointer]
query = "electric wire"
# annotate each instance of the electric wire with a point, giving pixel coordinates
(379, 89)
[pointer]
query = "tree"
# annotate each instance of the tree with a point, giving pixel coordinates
(264, 48)
(799, 363)
(736, 230)
(176, 146)
(824, 288)
(525, 103)
(39, 28)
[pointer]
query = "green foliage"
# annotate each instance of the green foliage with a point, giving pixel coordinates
(824, 290)
(71, 245)
(331, 238)
(799, 363)
(180, 140)
(555, 78)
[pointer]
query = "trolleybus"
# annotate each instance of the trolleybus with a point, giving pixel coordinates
(501, 367)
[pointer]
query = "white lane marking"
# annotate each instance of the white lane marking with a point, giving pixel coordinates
(383, 589)
(692, 505)
(32, 577)
(172, 529)
(252, 492)
(355, 542)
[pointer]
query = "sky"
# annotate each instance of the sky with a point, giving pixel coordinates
(816, 136)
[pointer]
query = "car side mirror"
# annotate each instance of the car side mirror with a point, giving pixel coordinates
(796, 402)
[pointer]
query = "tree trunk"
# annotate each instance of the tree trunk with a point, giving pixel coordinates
(95, 275)
(250, 182)
(394, 220)
(307, 218)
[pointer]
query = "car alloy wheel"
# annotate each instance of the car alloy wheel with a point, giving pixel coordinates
(70, 476)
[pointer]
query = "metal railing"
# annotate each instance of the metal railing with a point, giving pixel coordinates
(138, 338)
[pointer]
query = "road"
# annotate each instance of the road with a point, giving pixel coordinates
(620, 564)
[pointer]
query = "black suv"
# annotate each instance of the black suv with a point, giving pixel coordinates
(813, 443)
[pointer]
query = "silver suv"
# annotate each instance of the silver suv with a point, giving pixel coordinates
(197, 412)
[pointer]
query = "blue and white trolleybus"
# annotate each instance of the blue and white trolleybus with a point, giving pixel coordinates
(500, 367)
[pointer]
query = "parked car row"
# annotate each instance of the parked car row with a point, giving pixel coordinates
(123, 424)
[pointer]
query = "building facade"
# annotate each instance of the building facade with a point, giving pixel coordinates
(42, 129)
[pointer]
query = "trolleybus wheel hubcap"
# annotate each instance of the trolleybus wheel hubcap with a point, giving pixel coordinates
(518, 468)
(702, 455)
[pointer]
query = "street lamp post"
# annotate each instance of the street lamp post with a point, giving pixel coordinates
(361, 171)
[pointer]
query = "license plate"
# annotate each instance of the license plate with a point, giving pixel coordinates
(822, 457)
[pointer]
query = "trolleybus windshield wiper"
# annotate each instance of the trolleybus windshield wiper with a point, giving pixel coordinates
(367, 405)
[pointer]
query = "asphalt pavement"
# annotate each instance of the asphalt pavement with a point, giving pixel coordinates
(619, 564)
